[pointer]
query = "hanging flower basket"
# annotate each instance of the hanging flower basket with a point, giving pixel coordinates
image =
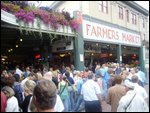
(28, 14)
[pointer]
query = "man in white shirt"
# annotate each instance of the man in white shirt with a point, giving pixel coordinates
(137, 88)
(132, 102)
(91, 95)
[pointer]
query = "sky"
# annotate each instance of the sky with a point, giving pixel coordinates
(144, 4)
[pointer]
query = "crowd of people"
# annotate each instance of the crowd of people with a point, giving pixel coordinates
(66, 89)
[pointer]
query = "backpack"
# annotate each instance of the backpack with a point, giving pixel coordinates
(18, 93)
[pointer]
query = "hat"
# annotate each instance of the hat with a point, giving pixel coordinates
(129, 84)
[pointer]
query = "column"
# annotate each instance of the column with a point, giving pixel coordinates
(141, 58)
(119, 54)
(79, 48)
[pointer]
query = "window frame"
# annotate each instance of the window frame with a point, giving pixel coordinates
(102, 6)
(120, 12)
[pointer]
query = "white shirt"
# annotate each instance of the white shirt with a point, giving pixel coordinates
(71, 75)
(89, 90)
(140, 90)
(12, 105)
(23, 82)
(59, 107)
(138, 104)
(19, 72)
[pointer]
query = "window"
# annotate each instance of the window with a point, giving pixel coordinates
(127, 14)
(103, 6)
(143, 22)
(120, 12)
(133, 18)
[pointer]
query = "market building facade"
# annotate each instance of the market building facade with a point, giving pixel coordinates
(114, 31)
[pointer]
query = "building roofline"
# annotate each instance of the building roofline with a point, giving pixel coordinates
(56, 4)
(130, 3)
(137, 7)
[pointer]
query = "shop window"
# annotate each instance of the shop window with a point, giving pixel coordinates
(134, 21)
(120, 12)
(103, 6)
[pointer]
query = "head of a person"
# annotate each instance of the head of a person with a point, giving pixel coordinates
(44, 95)
(97, 67)
(8, 91)
(118, 79)
(4, 73)
(67, 74)
(128, 85)
(10, 81)
(86, 69)
(90, 75)
(48, 75)
(132, 70)
(17, 77)
(64, 78)
(135, 79)
(68, 69)
(29, 87)
(138, 69)
(27, 68)
(32, 76)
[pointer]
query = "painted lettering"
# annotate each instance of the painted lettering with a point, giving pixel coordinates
(87, 28)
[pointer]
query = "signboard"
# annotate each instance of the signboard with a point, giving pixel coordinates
(104, 33)
(81, 58)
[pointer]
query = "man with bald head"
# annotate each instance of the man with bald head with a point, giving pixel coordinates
(137, 88)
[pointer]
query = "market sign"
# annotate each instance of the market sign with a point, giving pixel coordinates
(104, 33)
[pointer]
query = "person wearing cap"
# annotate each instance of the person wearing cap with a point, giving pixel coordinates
(132, 102)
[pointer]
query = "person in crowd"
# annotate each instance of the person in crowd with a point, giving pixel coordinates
(137, 88)
(91, 95)
(4, 78)
(131, 101)
(70, 90)
(105, 79)
(115, 93)
(26, 73)
(79, 97)
(55, 77)
(31, 76)
(131, 73)
(28, 92)
(18, 71)
(118, 69)
(44, 96)
(59, 107)
(63, 92)
(72, 68)
(70, 73)
(12, 102)
(18, 89)
(3, 102)
(142, 76)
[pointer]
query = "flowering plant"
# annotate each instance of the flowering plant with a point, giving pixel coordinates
(26, 13)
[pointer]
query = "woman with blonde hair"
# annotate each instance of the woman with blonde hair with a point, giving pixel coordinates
(12, 102)
(28, 92)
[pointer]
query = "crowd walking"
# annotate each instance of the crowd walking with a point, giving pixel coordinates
(65, 89)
